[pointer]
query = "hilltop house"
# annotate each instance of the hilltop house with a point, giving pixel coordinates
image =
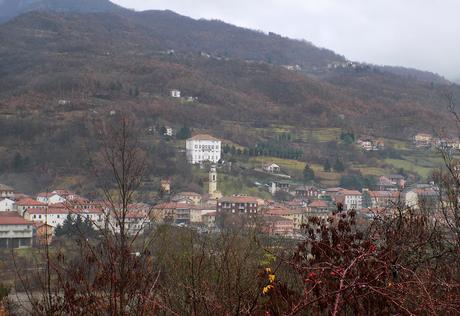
(168, 131)
(203, 148)
(272, 168)
(175, 93)
(369, 144)
(423, 140)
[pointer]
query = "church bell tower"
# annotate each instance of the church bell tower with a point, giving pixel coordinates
(213, 183)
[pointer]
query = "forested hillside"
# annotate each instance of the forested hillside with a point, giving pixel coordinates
(61, 71)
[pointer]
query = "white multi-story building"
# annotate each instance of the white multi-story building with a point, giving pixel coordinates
(50, 216)
(351, 199)
(202, 148)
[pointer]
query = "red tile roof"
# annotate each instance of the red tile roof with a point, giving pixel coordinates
(349, 192)
(382, 194)
(239, 199)
(318, 204)
(12, 218)
(204, 137)
(29, 202)
(50, 211)
(278, 212)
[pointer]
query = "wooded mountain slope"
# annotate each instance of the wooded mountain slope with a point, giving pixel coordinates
(129, 61)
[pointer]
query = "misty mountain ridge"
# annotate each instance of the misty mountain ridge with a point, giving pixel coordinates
(13, 8)
(243, 43)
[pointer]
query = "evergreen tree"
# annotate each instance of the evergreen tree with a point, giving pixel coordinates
(339, 166)
(327, 166)
(184, 133)
(308, 173)
(66, 228)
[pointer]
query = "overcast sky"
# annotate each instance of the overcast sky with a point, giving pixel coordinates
(423, 34)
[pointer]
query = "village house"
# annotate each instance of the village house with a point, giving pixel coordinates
(272, 168)
(331, 192)
(350, 199)
(297, 203)
(54, 215)
(188, 197)
(136, 222)
(198, 211)
(278, 225)
(319, 208)
(381, 199)
(385, 184)
(7, 205)
(175, 93)
(168, 131)
(279, 186)
(172, 213)
(423, 140)
(369, 144)
(296, 216)
(203, 148)
(209, 220)
(95, 215)
(56, 197)
(399, 180)
(43, 234)
(195, 214)
(238, 205)
(6, 191)
(27, 203)
(304, 191)
(165, 186)
(365, 144)
(15, 231)
(136, 217)
(424, 197)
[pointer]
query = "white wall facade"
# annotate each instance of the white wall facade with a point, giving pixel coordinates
(353, 202)
(6, 205)
(199, 151)
(52, 219)
(16, 235)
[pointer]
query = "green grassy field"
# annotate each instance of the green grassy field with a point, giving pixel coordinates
(320, 135)
(230, 185)
(410, 166)
(289, 164)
